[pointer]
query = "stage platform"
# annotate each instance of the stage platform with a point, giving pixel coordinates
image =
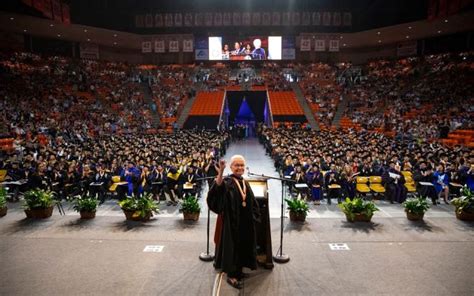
(391, 256)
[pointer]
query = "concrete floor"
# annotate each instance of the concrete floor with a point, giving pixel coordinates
(391, 256)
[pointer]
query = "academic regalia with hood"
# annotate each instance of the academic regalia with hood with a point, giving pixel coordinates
(235, 236)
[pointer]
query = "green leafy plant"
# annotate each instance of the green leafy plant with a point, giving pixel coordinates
(85, 204)
(141, 206)
(38, 199)
(190, 205)
(297, 206)
(465, 202)
(3, 197)
(357, 206)
(417, 205)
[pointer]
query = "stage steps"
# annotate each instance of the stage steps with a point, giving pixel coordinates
(341, 108)
(306, 108)
(147, 94)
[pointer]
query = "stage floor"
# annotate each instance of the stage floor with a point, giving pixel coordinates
(106, 256)
(392, 256)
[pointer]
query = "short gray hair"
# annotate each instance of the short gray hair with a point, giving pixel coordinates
(235, 157)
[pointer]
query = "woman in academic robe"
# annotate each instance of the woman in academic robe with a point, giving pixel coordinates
(233, 200)
(316, 181)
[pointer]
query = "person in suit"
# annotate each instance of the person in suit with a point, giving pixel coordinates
(100, 183)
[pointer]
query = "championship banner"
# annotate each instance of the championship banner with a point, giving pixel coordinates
(256, 19)
(320, 45)
(347, 19)
(188, 20)
(276, 19)
(316, 19)
(217, 20)
(188, 45)
(146, 46)
(286, 19)
(199, 19)
(159, 22)
(178, 19)
(139, 21)
(305, 44)
(326, 18)
(149, 20)
(159, 46)
(89, 51)
(173, 46)
(236, 21)
(266, 19)
(333, 45)
(168, 20)
(306, 19)
(202, 49)
(288, 51)
(336, 19)
(208, 19)
(227, 19)
(295, 19)
(57, 11)
(66, 14)
(246, 20)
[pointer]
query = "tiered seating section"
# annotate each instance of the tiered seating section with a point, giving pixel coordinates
(285, 108)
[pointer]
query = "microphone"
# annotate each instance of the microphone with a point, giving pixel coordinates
(248, 171)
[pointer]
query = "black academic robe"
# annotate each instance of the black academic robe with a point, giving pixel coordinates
(236, 236)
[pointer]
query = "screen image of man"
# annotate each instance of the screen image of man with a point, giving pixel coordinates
(233, 200)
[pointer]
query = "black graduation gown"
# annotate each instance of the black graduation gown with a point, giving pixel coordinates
(236, 247)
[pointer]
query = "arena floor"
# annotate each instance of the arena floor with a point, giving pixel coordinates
(109, 256)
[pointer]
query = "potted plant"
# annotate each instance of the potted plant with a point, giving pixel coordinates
(38, 203)
(139, 209)
(298, 209)
(415, 208)
(358, 210)
(86, 206)
(3, 201)
(190, 208)
(464, 205)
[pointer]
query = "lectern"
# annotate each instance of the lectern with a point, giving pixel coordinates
(263, 230)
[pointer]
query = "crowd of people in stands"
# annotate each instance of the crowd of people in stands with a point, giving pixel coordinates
(329, 162)
(420, 97)
(80, 122)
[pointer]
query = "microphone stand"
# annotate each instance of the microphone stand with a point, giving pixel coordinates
(279, 257)
(207, 256)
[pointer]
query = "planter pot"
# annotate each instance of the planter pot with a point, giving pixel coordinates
(129, 216)
(191, 216)
(297, 217)
(39, 213)
(359, 218)
(465, 216)
(3, 211)
(87, 214)
(415, 216)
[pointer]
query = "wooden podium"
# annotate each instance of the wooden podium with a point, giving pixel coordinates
(263, 231)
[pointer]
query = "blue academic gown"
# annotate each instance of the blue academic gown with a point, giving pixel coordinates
(130, 179)
(440, 177)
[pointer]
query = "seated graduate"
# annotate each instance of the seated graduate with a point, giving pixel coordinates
(131, 175)
(233, 200)
(316, 181)
(145, 180)
(100, 183)
(394, 183)
(424, 175)
(189, 181)
(441, 182)
(333, 184)
(300, 178)
(172, 186)
(71, 181)
(348, 183)
(158, 181)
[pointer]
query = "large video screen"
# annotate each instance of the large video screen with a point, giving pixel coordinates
(249, 48)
